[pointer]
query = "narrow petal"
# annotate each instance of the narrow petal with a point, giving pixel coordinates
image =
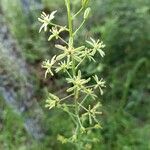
(52, 15)
(41, 28)
(60, 47)
(51, 37)
(61, 56)
(39, 19)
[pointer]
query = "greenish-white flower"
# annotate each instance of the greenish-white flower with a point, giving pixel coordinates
(55, 31)
(52, 101)
(99, 84)
(46, 19)
(78, 82)
(92, 112)
(90, 92)
(97, 46)
(69, 52)
(87, 53)
(48, 65)
(62, 139)
(63, 66)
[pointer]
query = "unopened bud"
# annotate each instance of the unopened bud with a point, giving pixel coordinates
(86, 13)
(84, 3)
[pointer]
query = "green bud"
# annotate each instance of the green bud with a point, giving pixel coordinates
(84, 3)
(86, 13)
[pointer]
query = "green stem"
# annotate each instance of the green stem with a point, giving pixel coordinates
(53, 24)
(76, 102)
(80, 63)
(71, 116)
(78, 12)
(84, 99)
(68, 73)
(62, 40)
(71, 38)
(70, 22)
(66, 97)
(71, 45)
(79, 27)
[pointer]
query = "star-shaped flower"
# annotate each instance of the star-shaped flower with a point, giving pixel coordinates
(99, 84)
(63, 66)
(92, 112)
(46, 19)
(69, 52)
(48, 65)
(52, 101)
(90, 92)
(87, 53)
(55, 32)
(78, 82)
(97, 46)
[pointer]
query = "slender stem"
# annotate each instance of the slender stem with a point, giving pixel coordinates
(53, 24)
(76, 101)
(62, 40)
(79, 121)
(84, 99)
(80, 63)
(70, 23)
(79, 27)
(71, 38)
(71, 116)
(68, 73)
(71, 43)
(91, 86)
(83, 107)
(73, 66)
(78, 12)
(66, 97)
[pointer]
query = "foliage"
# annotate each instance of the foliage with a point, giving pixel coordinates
(13, 135)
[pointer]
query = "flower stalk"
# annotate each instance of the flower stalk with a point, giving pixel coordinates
(84, 105)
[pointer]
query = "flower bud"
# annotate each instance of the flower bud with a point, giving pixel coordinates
(84, 3)
(86, 13)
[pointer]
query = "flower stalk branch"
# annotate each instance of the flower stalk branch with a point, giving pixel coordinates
(81, 102)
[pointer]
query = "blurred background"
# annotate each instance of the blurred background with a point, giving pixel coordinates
(124, 26)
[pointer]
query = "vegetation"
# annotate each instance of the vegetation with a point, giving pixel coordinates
(124, 28)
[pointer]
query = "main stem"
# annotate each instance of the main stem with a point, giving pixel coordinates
(71, 45)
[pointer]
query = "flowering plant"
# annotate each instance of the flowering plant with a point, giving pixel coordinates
(84, 105)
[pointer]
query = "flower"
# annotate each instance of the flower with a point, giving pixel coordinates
(46, 19)
(63, 66)
(48, 65)
(55, 32)
(77, 81)
(99, 83)
(87, 53)
(68, 52)
(62, 139)
(90, 92)
(52, 101)
(97, 46)
(92, 112)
